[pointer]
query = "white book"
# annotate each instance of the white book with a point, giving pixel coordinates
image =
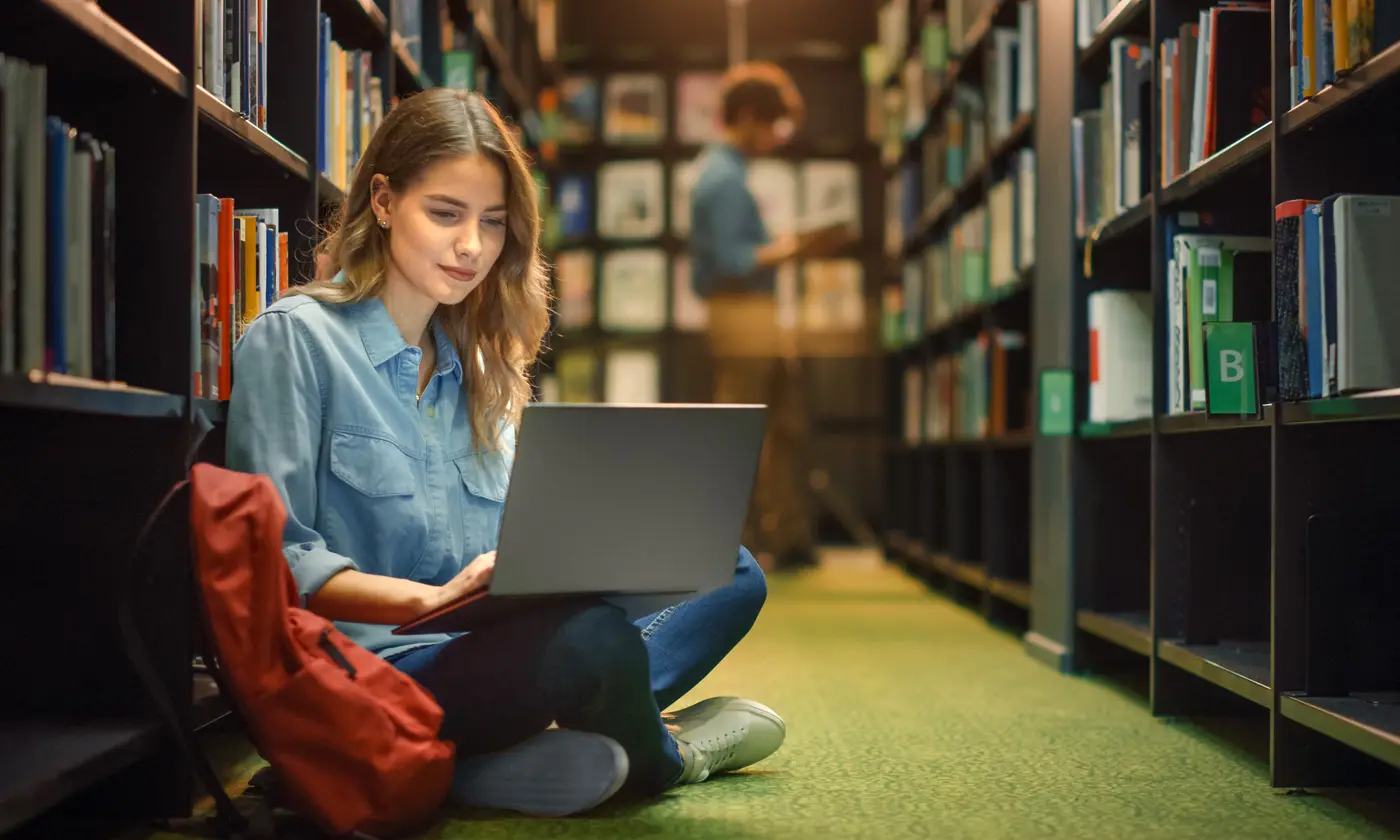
(1025, 57)
(1367, 237)
(1120, 351)
(632, 377)
(830, 194)
(774, 187)
(1025, 208)
(633, 293)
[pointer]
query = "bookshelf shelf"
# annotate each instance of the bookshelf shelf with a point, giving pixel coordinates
(1022, 132)
(1361, 85)
(215, 410)
(1121, 429)
(1017, 592)
(1342, 410)
(1370, 725)
(21, 393)
(218, 114)
(1198, 421)
(1239, 667)
(1128, 17)
(1219, 166)
(1128, 630)
(88, 18)
(44, 762)
(1127, 223)
(497, 54)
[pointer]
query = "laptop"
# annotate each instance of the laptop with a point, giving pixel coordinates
(643, 505)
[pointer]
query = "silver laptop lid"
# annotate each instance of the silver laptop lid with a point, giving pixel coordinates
(627, 498)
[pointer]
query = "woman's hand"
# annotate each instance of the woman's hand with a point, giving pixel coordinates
(476, 575)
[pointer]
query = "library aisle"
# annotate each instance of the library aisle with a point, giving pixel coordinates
(909, 716)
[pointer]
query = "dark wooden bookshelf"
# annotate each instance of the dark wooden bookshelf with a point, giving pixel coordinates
(81, 737)
(1234, 566)
(961, 504)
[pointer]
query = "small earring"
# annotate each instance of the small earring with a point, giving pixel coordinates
(384, 223)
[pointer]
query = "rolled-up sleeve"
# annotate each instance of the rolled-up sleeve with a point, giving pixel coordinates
(731, 244)
(274, 429)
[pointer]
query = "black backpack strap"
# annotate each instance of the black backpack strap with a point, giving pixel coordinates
(233, 821)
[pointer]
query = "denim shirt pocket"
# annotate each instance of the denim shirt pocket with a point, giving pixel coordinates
(378, 505)
(485, 477)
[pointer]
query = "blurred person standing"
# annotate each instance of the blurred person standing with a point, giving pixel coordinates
(734, 269)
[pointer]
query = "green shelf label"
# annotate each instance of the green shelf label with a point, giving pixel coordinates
(1056, 403)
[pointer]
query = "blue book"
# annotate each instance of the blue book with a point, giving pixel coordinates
(60, 152)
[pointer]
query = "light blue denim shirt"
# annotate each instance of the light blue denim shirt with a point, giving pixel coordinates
(726, 227)
(325, 404)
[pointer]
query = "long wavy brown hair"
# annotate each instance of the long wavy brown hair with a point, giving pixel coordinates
(499, 327)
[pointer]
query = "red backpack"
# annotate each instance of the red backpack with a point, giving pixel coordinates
(352, 741)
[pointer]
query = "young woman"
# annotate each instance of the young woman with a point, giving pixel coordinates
(381, 400)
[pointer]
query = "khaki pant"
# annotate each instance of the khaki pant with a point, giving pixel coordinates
(756, 362)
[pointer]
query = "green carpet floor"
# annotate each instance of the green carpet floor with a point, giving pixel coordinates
(909, 717)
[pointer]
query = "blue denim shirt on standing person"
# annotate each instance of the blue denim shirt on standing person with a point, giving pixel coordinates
(325, 404)
(726, 226)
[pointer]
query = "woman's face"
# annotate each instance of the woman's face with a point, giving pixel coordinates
(446, 229)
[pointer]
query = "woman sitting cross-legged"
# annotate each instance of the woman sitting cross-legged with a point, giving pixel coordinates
(381, 400)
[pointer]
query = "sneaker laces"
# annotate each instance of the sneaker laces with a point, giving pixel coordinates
(713, 753)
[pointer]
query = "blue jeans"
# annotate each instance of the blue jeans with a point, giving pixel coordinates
(587, 667)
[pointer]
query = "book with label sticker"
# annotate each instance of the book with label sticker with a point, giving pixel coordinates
(630, 199)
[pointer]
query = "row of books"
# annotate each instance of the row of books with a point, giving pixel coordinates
(982, 258)
(630, 375)
(1216, 83)
(1109, 152)
(631, 197)
(352, 107)
(627, 291)
(632, 108)
(629, 109)
(241, 268)
(900, 111)
(1329, 38)
(1336, 299)
(232, 55)
(57, 235)
(1332, 306)
(980, 392)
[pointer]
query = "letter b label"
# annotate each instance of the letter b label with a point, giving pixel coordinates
(1231, 366)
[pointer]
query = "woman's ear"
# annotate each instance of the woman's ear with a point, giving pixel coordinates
(381, 199)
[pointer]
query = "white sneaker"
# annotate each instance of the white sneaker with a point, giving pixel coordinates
(724, 734)
(554, 773)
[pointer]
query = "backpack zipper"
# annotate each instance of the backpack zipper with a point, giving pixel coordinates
(334, 652)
